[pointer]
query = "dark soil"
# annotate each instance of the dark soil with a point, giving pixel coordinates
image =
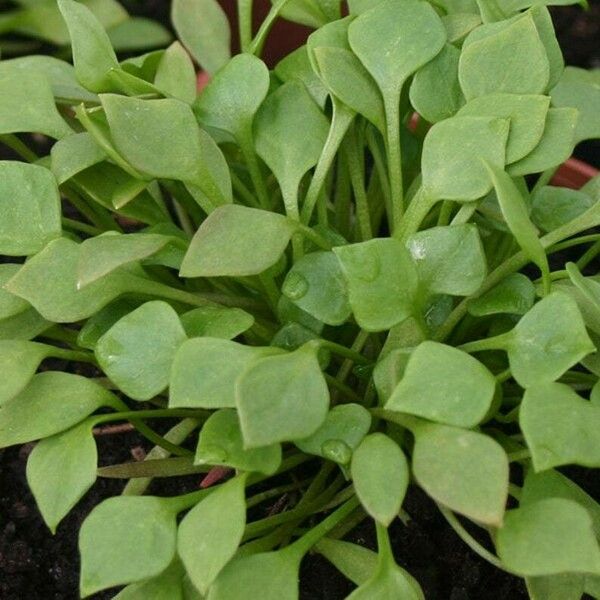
(34, 565)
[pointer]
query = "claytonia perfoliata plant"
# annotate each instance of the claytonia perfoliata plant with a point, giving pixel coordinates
(327, 281)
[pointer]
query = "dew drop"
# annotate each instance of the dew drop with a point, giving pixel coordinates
(295, 286)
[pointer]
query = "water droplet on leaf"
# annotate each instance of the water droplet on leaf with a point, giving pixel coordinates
(295, 286)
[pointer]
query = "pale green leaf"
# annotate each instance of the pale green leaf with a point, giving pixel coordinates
(216, 322)
(176, 75)
(73, 154)
(513, 295)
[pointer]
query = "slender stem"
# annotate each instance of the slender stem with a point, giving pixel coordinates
(74, 355)
(242, 191)
(341, 120)
(394, 153)
(417, 210)
(81, 227)
(379, 161)
(257, 44)
(247, 145)
(406, 421)
(357, 179)
(15, 144)
(166, 413)
(343, 351)
(245, 23)
(497, 342)
(466, 537)
(313, 236)
(343, 388)
(589, 256)
(154, 467)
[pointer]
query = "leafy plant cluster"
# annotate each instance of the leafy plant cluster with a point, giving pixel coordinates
(322, 297)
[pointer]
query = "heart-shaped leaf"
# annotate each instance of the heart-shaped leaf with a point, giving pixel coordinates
(60, 470)
(560, 427)
(205, 370)
(203, 28)
(513, 295)
(290, 132)
(380, 475)
(282, 398)
(435, 91)
(29, 208)
(463, 470)
(539, 354)
(93, 54)
(444, 384)
(453, 152)
(176, 75)
(216, 322)
(51, 403)
(552, 207)
(169, 585)
(317, 285)
(73, 154)
(235, 240)
(382, 282)
(511, 61)
(528, 540)
(449, 260)
(221, 443)
(527, 114)
(343, 430)
(137, 352)
(19, 361)
(210, 533)
(124, 540)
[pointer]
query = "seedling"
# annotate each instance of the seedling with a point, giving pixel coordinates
(320, 284)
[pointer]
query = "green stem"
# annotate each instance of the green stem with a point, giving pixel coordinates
(417, 210)
(394, 153)
(245, 23)
(379, 161)
(166, 413)
(340, 122)
(357, 179)
(466, 537)
(406, 421)
(257, 44)
(15, 144)
(343, 351)
(152, 467)
(343, 388)
(81, 227)
(497, 342)
(242, 191)
(247, 145)
(313, 236)
(74, 355)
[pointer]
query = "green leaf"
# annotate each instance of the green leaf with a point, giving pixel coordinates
(445, 385)
(176, 75)
(10, 305)
(29, 108)
(355, 562)
(29, 208)
(137, 352)
(103, 254)
(560, 427)
(459, 25)
(435, 92)
(450, 260)
(216, 322)
(235, 240)
(463, 470)
(51, 403)
(296, 66)
(348, 80)
(515, 212)
(382, 282)
(267, 575)
(579, 89)
(60, 470)
(124, 540)
(205, 370)
(169, 585)
(453, 152)
(556, 144)
(93, 54)
(233, 96)
(512, 61)
(547, 341)
(282, 398)
(138, 33)
(48, 281)
(211, 532)
(410, 32)
(380, 475)
(221, 443)
(556, 587)
(156, 136)
(528, 541)
(74, 154)
(552, 484)
(290, 132)
(552, 207)
(99, 323)
(316, 284)
(527, 114)
(203, 28)
(306, 12)
(514, 295)
(24, 326)
(19, 361)
(343, 430)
